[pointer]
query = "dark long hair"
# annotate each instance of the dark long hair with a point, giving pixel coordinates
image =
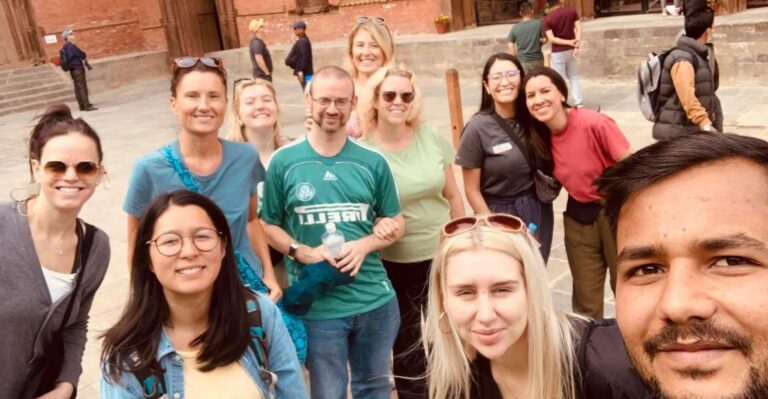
(542, 136)
(139, 329)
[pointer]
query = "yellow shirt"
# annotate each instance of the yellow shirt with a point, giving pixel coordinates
(227, 382)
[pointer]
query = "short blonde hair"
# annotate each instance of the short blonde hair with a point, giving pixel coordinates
(236, 129)
(255, 25)
(369, 115)
(380, 34)
(550, 338)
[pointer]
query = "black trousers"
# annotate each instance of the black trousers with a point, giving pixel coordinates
(410, 366)
(81, 87)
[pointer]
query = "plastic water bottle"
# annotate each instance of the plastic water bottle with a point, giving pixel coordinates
(333, 239)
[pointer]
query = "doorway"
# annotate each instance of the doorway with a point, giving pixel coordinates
(195, 27)
(19, 38)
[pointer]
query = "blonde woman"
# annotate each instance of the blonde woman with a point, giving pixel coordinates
(255, 117)
(390, 114)
(491, 329)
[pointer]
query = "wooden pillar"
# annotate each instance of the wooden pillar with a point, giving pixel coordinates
(454, 105)
(228, 23)
(170, 22)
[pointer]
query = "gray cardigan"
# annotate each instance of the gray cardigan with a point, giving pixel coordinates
(27, 317)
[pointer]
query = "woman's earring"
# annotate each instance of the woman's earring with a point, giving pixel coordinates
(106, 181)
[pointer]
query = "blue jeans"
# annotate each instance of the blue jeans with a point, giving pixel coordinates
(365, 341)
(568, 67)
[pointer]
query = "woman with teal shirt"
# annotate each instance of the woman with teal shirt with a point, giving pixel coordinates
(420, 159)
(200, 161)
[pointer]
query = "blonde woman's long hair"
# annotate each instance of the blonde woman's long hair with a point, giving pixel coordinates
(380, 34)
(550, 338)
(369, 115)
(236, 129)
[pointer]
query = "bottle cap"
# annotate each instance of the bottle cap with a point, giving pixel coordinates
(330, 227)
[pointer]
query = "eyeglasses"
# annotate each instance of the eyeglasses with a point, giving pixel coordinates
(170, 244)
(390, 96)
(510, 74)
(497, 221)
(83, 169)
(374, 20)
(340, 103)
(190, 62)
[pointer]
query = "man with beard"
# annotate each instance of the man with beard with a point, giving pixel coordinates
(327, 178)
(691, 223)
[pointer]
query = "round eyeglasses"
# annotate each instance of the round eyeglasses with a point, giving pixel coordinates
(170, 244)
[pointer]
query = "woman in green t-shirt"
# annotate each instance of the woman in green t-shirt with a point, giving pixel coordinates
(390, 117)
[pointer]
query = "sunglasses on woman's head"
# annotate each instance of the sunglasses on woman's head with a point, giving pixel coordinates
(390, 96)
(83, 169)
(374, 20)
(496, 221)
(190, 62)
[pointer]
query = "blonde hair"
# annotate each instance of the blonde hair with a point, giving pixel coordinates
(369, 115)
(236, 129)
(550, 337)
(255, 25)
(380, 34)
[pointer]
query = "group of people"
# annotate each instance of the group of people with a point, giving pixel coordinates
(450, 305)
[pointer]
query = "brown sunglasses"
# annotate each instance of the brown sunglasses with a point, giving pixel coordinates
(83, 169)
(497, 221)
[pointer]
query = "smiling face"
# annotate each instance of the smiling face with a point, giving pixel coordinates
(258, 108)
(331, 118)
(503, 82)
(367, 55)
(67, 191)
(191, 271)
(691, 297)
(485, 298)
(543, 99)
(394, 112)
(200, 103)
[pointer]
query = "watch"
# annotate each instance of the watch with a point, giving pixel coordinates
(292, 250)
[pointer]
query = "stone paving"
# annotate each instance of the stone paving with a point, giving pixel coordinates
(135, 120)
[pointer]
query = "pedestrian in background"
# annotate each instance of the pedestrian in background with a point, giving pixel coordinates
(390, 113)
(525, 38)
(563, 29)
(262, 61)
(300, 57)
(75, 61)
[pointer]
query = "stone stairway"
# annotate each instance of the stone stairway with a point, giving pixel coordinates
(31, 88)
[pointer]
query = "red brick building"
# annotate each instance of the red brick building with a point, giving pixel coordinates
(115, 27)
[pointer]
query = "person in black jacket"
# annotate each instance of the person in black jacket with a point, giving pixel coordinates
(74, 60)
(691, 221)
(300, 56)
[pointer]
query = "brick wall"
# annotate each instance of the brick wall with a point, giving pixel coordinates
(402, 17)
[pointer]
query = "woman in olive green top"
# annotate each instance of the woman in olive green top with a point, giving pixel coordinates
(391, 122)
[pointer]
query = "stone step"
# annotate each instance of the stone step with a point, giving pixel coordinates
(28, 72)
(35, 98)
(51, 87)
(28, 84)
(40, 106)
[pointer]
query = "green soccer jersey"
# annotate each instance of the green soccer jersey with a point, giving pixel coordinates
(305, 190)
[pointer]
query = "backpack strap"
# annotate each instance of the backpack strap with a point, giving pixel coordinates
(152, 385)
(260, 346)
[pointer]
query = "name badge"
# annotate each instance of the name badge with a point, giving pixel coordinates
(503, 147)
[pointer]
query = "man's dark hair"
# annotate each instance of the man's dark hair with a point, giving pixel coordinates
(656, 162)
(697, 23)
(553, 3)
(525, 8)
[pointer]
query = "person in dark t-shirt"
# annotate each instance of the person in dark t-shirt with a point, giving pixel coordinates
(259, 53)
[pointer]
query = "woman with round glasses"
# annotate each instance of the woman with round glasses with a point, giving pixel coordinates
(369, 47)
(499, 155)
(391, 118)
(583, 144)
(200, 161)
(51, 261)
(190, 329)
(491, 329)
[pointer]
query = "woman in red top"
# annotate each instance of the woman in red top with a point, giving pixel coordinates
(583, 144)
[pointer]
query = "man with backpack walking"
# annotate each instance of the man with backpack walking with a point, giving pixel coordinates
(74, 61)
(686, 95)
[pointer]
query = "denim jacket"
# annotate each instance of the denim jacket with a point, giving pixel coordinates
(283, 363)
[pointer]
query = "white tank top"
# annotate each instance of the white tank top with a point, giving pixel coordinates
(59, 284)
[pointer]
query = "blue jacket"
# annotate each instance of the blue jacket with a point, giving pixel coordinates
(282, 362)
(74, 55)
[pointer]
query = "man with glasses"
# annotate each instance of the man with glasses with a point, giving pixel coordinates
(691, 222)
(323, 178)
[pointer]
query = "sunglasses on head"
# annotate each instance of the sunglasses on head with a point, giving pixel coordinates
(190, 62)
(374, 20)
(83, 169)
(496, 221)
(390, 96)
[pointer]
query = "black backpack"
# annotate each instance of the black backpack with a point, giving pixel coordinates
(64, 60)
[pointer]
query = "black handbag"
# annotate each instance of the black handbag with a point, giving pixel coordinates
(45, 371)
(547, 187)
